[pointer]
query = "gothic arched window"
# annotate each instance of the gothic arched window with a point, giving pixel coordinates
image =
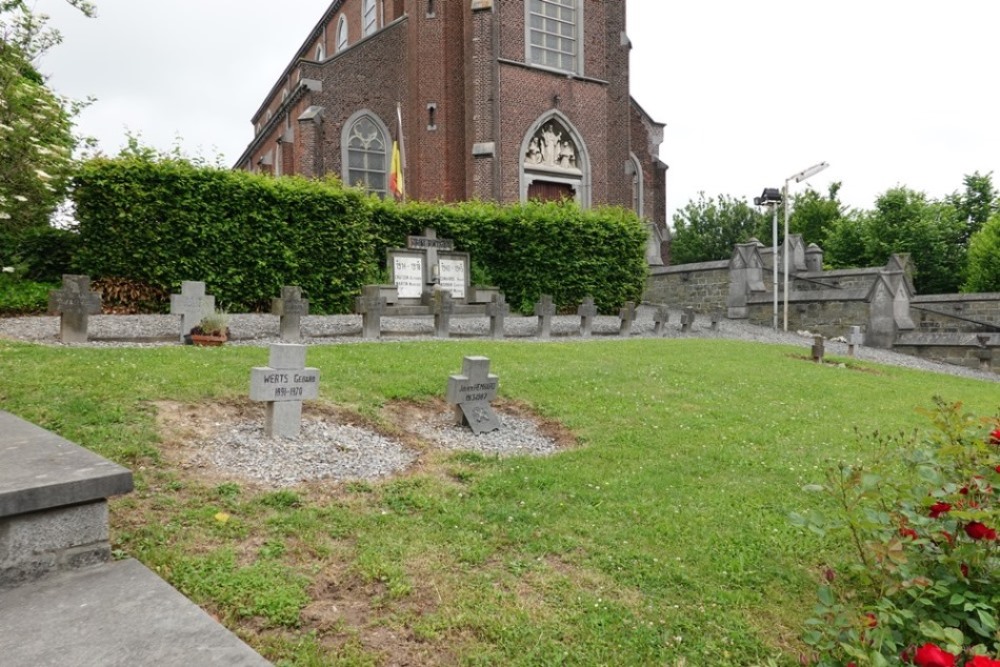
(365, 154)
(342, 34)
(369, 19)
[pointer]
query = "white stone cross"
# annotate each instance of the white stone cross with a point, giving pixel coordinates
(191, 304)
(284, 383)
(471, 393)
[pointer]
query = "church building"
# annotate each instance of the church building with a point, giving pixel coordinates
(503, 100)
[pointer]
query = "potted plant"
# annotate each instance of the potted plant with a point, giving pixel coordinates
(212, 330)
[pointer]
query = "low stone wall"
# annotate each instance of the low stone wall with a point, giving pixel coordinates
(956, 313)
(959, 349)
(842, 279)
(828, 313)
(703, 286)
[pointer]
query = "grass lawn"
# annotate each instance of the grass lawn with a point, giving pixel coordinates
(662, 539)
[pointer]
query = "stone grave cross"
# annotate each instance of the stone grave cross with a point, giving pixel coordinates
(660, 319)
(284, 383)
(471, 393)
(290, 307)
(497, 310)
(191, 304)
(371, 304)
(587, 312)
(73, 303)
(545, 310)
(627, 316)
(430, 244)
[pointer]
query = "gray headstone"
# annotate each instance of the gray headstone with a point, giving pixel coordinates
(471, 393)
(545, 310)
(443, 305)
(191, 304)
(716, 318)
(497, 311)
(587, 312)
(284, 383)
(74, 303)
(660, 319)
(290, 307)
(627, 315)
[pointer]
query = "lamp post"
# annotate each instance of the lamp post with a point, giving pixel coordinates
(798, 178)
(771, 197)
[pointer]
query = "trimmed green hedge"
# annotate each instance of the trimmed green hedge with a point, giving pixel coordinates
(536, 248)
(244, 235)
(164, 221)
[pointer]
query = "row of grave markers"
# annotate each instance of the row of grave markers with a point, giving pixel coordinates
(74, 303)
(286, 382)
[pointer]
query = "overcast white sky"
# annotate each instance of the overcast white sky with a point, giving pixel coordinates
(889, 92)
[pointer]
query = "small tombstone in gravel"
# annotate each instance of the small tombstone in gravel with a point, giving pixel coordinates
(983, 352)
(817, 349)
(284, 383)
(497, 310)
(627, 316)
(587, 312)
(471, 393)
(444, 306)
(290, 308)
(191, 304)
(371, 304)
(687, 319)
(660, 320)
(545, 310)
(854, 339)
(74, 302)
(716, 318)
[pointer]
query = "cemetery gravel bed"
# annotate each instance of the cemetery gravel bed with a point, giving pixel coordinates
(261, 329)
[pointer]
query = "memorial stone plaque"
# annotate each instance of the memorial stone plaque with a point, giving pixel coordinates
(408, 273)
(453, 273)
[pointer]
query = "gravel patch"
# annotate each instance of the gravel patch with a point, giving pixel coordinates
(516, 436)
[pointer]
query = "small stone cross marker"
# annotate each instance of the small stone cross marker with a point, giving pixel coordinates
(284, 383)
(716, 318)
(191, 304)
(854, 339)
(627, 315)
(371, 304)
(545, 310)
(587, 312)
(290, 307)
(73, 302)
(817, 349)
(471, 393)
(497, 310)
(444, 306)
(660, 320)
(687, 319)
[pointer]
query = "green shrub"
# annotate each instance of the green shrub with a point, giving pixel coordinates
(46, 252)
(921, 524)
(23, 297)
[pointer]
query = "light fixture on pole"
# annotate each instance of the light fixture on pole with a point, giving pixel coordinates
(798, 178)
(772, 197)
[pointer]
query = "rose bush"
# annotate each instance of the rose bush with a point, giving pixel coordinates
(922, 586)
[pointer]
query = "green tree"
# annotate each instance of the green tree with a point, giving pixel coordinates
(904, 221)
(977, 203)
(36, 130)
(707, 229)
(983, 271)
(813, 215)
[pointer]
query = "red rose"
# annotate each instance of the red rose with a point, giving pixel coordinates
(965, 570)
(871, 620)
(982, 661)
(995, 436)
(908, 532)
(997, 468)
(939, 508)
(979, 531)
(930, 655)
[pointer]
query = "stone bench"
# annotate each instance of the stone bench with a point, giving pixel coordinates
(62, 600)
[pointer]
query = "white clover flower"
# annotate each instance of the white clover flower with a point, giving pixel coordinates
(20, 198)
(8, 269)
(42, 175)
(4, 215)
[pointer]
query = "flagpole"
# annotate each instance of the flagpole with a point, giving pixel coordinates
(402, 146)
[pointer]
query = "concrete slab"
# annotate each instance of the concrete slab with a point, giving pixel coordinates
(116, 614)
(42, 470)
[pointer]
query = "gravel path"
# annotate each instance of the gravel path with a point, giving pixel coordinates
(338, 452)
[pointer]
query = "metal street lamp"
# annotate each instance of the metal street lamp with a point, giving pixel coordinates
(771, 197)
(798, 178)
